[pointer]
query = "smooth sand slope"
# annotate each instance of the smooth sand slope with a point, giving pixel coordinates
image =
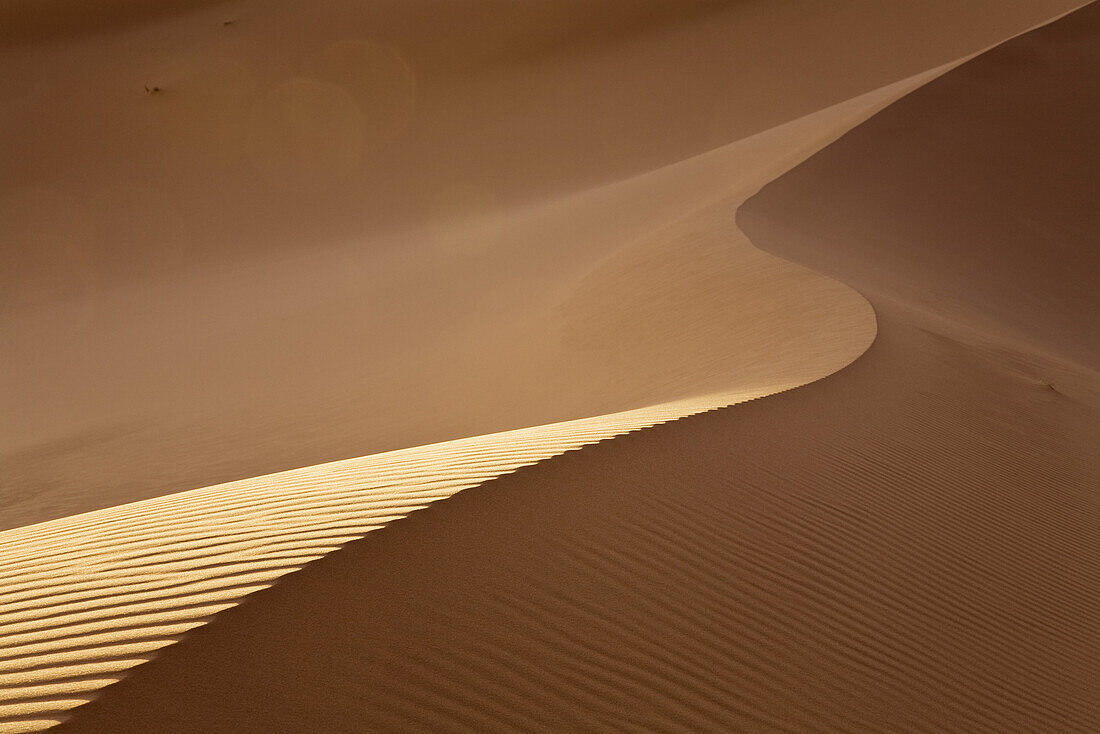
(349, 227)
(910, 544)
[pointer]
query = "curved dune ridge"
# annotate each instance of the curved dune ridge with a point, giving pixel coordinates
(85, 598)
(133, 579)
(700, 576)
(910, 544)
(335, 220)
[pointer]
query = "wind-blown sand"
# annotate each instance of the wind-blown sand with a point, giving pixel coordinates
(909, 544)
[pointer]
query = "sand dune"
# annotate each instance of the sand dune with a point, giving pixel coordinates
(1007, 236)
(910, 563)
(87, 597)
(210, 283)
(907, 545)
(132, 579)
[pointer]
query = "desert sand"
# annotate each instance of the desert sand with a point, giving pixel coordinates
(353, 227)
(909, 543)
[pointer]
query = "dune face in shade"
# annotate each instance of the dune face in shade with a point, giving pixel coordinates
(378, 76)
(306, 134)
(1006, 231)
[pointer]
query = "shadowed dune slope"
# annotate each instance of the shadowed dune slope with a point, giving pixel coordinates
(977, 196)
(911, 544)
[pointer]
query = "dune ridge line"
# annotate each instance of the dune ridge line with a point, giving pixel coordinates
(906, 545)
(135, 578)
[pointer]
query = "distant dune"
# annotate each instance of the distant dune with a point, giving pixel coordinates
(907, 541)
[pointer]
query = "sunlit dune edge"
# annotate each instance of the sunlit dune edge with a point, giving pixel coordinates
(134, 578)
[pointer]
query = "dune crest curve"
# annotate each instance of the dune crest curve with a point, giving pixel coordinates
(135, 578)
(906, 545)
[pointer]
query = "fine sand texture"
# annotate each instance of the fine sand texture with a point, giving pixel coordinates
(910, 544)
(243, 237)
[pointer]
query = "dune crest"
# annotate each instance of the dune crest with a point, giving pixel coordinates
(134, 578)
(330, 214)
(909, 544)
(631, 571)
(85, 598)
